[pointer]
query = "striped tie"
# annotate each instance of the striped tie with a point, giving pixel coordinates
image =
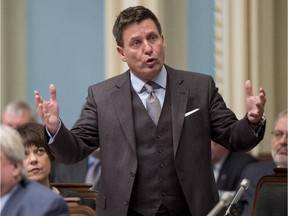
(152, 102)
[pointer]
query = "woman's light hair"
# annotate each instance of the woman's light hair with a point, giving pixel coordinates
(11, 145)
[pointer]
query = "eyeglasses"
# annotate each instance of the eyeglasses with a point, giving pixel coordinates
(279, 134)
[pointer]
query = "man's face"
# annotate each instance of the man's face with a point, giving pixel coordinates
(143, 49)
(14, 119)
(9, 174)
(279, 142)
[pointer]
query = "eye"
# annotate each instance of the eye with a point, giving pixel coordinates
(277, 134)
(152, 37)
(26, 153)
(136, 43)
(40, 151)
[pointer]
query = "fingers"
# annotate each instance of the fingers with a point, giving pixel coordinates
(249, 92)
(248, 88)
(262, 96)
(52, 92)
(39, 103)
(38, 98)
(255, 104)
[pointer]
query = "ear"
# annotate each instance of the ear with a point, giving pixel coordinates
(17, 169)
(163, 41)
(120, 50)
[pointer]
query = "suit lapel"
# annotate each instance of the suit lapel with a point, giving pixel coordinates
(123, 105)
(179, 97)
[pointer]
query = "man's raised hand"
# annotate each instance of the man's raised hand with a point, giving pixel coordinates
(48, 110)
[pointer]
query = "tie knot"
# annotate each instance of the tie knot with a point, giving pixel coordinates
(150, 86)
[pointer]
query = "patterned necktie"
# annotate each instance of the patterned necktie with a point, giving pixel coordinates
(152, 102)
(93, 174)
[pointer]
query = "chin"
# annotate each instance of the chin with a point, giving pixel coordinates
(281, 161)
(35, 178)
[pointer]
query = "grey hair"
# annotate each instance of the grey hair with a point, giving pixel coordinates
(20, 107)
(12, 146)
(280, 115)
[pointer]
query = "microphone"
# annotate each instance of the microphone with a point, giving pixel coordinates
(225, 198)
(245, 183)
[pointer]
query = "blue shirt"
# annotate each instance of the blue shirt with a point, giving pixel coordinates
(160, 79)
(5, 197)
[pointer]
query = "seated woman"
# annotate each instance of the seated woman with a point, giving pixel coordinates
(38, 159)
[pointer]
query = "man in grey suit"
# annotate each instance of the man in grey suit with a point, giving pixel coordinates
(19, 195)
(159, 167)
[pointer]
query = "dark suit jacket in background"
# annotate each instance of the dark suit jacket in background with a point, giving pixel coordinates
(33, 199)
(231, 170)
(253, 173)
(107, 122)
(72, 173)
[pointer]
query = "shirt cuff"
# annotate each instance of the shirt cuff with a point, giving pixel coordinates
(51, 138)
(256, 133)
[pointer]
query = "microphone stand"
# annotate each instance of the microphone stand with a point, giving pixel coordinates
(233, 210)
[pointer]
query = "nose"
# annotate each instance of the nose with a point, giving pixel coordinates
(147, 48)
(284, 137)
(32, 158)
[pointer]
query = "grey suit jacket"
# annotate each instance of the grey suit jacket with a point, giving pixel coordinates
(107, 121)
(33, 199)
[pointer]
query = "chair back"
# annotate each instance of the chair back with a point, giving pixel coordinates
(75, 209)
(271, 194)
(84, 189)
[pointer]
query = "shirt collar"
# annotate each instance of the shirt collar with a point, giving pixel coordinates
(6, 196)
(138, 83)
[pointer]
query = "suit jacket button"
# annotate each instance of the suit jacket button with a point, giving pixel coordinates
(132, 174)
(126, 203)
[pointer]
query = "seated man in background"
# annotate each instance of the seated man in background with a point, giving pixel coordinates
(17, 113)
(228, 166)
(19, 195)
(255, 171)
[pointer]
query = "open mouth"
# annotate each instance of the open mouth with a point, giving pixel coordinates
(151, 61)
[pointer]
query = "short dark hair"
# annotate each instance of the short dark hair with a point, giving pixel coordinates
(132, 15)
(33, 135)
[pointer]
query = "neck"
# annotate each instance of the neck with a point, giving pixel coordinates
(45, 182)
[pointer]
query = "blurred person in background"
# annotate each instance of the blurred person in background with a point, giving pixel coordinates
(17, 113)
(19, 195)
(38, 158)
(228, 167)
(255, 171)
